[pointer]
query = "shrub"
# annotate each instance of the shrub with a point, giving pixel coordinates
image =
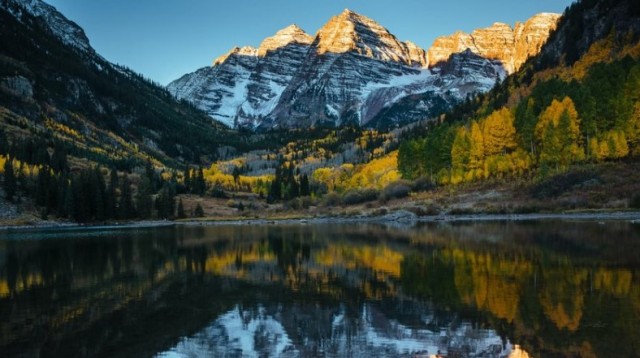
(423, 184)
(358, 196)
(562, 183)
(331, 199)
(634, 202)
(396, 190)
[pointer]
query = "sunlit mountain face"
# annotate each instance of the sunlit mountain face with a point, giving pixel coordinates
(354, 71)
(464, 290)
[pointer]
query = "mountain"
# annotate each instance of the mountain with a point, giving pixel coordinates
(56, 91)
(511, 46)
(275, 332)
(576, 102)
(353, 71)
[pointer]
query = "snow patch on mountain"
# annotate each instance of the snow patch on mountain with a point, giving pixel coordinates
(352, 70)
(67, 31)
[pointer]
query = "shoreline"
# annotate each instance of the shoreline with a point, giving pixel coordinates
(399, 217)
(408, 217)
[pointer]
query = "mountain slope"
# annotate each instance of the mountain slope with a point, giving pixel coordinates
(352, 72)
(511, 46)
(576, 102)
(54, 87)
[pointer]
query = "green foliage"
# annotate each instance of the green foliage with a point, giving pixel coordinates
(288, 184)
(198, 212)
(80, 92)
(558, 124)
(427, 157)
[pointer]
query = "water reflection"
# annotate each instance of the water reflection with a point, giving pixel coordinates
(554, 288)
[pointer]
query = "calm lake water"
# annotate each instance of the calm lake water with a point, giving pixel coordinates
(498, 289)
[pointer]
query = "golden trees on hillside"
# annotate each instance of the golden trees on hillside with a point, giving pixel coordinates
(558, 132)
(487, 148)
(498, 132)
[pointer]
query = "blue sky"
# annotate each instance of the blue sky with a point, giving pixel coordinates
(164, 39)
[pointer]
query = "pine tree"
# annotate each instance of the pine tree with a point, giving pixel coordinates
(112, 195)
(200, 184)
(70, 202)
(165, 202)
(304, 186)
(144, 200)
(10, 182)
(187, 180)
(236, 175)
(198, 212)
(63, 185)
(181, 214)
(100, 193)
(126, 209)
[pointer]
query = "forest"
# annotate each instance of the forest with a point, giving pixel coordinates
(562, 121)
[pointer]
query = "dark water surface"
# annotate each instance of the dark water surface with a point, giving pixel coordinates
(497, 289)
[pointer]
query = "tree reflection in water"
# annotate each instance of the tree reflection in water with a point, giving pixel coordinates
(555, 288)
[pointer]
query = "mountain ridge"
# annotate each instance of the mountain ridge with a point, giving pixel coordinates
(293, 80)
(55, 84)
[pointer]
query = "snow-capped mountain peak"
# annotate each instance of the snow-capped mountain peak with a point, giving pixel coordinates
(353, 71)
(67, 31)
(290, 34)
(352, 32)
(240, 51)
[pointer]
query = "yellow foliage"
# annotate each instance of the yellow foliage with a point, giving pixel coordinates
(633, 126)
(378, 173)
(3, 160)
(216, 178)
(460, 149)
(61, 128)
(612, 145)
(476, 153)
(552, 115)
(563, 298)
(617, 283)
(498, 132)
(599, 51)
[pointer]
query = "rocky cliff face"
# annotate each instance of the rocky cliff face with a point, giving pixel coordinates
(352, 70)
(65, 30)
(512, 46)
(49, 70)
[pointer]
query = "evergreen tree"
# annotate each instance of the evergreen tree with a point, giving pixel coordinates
(236, 175)
(198, 212)
(165, 202)
(70, 202)
(144, 200)
(187, 180)
(126, 209)
(112, 195)
(101, 212)
(181, 214)
(62, 184)
(304, 186)
(200, 186)
(10, 182)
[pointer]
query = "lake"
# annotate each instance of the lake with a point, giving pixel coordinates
(549, 288)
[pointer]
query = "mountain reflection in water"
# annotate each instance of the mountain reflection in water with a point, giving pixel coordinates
(554, 288)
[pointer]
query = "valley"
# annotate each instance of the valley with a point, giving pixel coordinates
(462, 127)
